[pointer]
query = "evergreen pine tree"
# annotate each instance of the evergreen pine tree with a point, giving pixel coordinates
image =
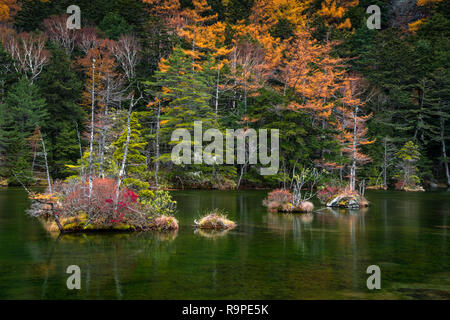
(22, 111)
(135, 162)
(62, 90)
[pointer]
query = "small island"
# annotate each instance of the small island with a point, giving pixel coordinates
(70, 207)
(215, 220)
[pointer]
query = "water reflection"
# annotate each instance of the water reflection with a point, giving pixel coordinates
(105, 260)
(323, 255)
(351, 221)
(211, 234)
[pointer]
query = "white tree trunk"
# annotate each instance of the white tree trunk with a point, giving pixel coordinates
(125, 153)
(217, 91)
(444, 150)
(81, 150)
(158, 126)
(355, 136)
(104, 130)
(46, 165)
(91, 142)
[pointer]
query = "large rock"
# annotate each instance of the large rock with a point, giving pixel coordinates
(346, 201)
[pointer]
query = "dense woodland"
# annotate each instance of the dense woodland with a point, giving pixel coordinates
(364, 105)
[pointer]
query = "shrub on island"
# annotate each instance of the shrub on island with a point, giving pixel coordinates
(281, 200)
(70, 209)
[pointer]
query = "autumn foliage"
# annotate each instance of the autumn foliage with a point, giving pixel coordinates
(281, 200)
(106, 209)
(8, 8)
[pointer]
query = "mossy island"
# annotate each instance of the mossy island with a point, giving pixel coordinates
(215, 220)
(69, 208)
(337, 197)
(281, 200)
(303, 186)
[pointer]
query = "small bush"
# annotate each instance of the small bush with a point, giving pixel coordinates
(165, 223)
(306, 206)
(280, 196)
(328, 193)
(281, 200)
(216, 221)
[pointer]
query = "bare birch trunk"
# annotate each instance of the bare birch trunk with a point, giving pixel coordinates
(217, 91)
(444, 150)
(34, 161)
(81, 150)
(46, 165)
(353, 168)
(158, 126)
(125, 153)
(241, 175)
(91, 142)
(104, 131)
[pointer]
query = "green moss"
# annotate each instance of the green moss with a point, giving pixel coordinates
(71, 226)
(89, 227)
(122, 226)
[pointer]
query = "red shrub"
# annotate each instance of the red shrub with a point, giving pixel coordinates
(102, 203)
(106, 209)
(328, 193)
(280, 196)
(400, 185)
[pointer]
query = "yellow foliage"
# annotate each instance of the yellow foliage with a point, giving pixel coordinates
(8, 8)
(163, 65)
(422, 3)
(334, 10)
(414, 26)
(268, 12)
(44, 197)
(345, 25)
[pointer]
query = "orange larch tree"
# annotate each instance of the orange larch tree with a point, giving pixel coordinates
(267, 13)
(333, 12)
(8, 8)
(103, 89)
(168, 10)
(314, 75)
(201, 30)
(351, 126)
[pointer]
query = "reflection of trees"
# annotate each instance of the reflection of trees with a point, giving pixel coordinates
(331, 240)
(290, 224)
(106, 262)
(211, 234)
(269, 256)
(284, 222)
(350, 244)
(350, 224)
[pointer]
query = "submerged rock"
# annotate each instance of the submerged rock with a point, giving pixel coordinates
(413, 189)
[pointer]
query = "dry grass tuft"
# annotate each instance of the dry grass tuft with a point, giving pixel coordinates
(165, 223)
(216, 221)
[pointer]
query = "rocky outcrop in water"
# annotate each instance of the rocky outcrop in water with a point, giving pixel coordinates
(348, 201)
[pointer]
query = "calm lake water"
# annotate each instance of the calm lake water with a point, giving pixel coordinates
(268, 256)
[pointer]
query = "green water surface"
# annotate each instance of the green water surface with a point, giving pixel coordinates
(268, 256)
